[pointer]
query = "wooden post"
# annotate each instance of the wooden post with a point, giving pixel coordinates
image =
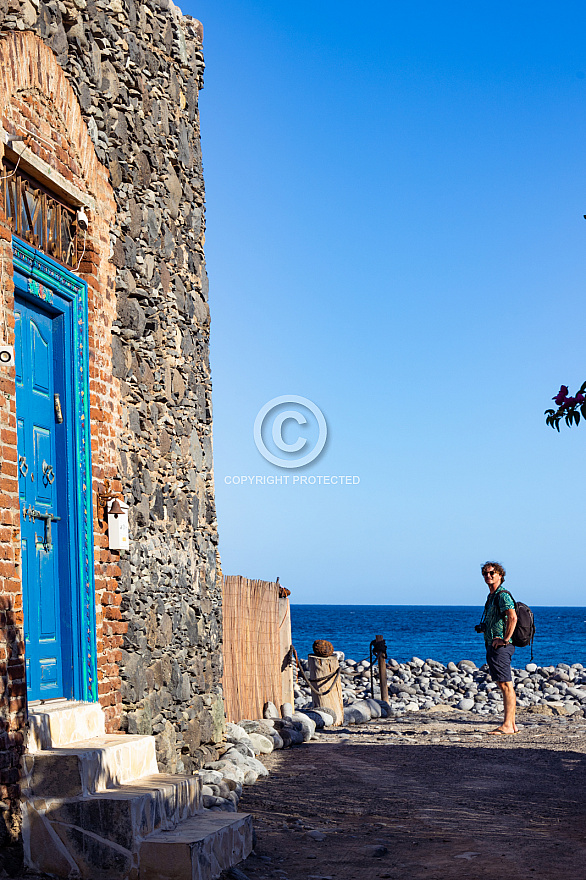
(319, 668)
(382, 671)
(287, 695)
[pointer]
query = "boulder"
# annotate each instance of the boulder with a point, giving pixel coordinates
(385, 708)
(316, 718)
(228, 770)
(326, 716)
(357, 713)
(262, 745)
(307, 724)
(277, 740)
(373, 705)
(234, 732)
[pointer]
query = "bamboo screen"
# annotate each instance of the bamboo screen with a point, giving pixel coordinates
(252, 653)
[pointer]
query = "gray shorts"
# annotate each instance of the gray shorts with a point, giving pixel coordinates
(499, 662)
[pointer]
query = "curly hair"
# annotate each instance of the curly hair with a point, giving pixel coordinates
(497, 567)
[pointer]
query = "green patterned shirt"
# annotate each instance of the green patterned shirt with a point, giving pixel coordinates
(499, 603)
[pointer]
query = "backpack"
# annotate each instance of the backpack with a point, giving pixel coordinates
(524, 631)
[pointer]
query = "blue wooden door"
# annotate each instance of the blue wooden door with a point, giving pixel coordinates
(41, 518)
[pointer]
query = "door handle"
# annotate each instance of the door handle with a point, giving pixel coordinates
(48, 473)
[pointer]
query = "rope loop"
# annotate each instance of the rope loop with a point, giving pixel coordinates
(319, 681)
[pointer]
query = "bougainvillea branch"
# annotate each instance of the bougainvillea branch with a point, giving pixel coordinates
(569, 408)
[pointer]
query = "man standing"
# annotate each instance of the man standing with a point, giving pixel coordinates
(500, 619)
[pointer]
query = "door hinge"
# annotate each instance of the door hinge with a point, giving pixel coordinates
(58, 410)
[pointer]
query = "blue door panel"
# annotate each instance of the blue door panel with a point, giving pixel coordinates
(41, 351)
(43, 460)
(49, 675)
(22, 453)
(52, 359)
(25, 598)
(18, 348)
(44, 592)
(48, 629)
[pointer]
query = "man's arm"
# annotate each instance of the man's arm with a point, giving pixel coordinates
(511, 615)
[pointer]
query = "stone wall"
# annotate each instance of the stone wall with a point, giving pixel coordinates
(136, 70)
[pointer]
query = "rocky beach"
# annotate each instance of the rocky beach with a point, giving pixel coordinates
(421, 684)
(416, 787)
(416, 688)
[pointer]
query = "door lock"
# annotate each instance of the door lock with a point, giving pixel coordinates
(48, 518)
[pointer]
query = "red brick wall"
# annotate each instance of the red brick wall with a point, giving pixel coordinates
(38, 105)
(12, 681)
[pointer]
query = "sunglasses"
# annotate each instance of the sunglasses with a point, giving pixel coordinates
(490, 573)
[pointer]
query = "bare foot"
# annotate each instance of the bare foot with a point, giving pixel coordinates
(500, 732)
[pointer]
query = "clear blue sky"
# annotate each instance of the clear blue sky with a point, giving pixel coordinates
(395, 201)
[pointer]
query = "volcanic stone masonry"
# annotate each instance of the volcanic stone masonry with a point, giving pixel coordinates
(137, 69)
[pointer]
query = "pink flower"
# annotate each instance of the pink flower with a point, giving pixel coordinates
(561, 396)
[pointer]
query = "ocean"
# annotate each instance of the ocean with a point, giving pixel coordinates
(438, 632)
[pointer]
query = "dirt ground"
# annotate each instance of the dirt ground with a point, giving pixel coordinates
(429, 797)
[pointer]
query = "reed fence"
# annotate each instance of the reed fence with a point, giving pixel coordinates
(257, 638)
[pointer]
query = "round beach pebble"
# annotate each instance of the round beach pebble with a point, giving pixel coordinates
(261, 744)
(465, 704)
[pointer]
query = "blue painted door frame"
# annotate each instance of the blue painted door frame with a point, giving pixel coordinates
(51, 315)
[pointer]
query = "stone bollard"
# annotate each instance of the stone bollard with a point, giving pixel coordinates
(320, 668)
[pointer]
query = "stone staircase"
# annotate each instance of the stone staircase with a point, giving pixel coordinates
(95, 806)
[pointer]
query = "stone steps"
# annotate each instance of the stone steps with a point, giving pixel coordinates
(90, 766)
(107, 828)
(63, 723)
(198, 849)
(98, 808)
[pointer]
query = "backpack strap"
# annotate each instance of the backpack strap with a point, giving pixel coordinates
(508, 594)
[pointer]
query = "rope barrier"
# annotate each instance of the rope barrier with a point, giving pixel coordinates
(324, 680)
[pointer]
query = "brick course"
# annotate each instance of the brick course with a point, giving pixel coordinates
(28, 69)
(107, 94)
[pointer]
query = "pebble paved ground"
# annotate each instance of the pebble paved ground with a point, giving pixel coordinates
(427, 797)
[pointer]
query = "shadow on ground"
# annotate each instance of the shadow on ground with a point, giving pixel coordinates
(411, 811)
